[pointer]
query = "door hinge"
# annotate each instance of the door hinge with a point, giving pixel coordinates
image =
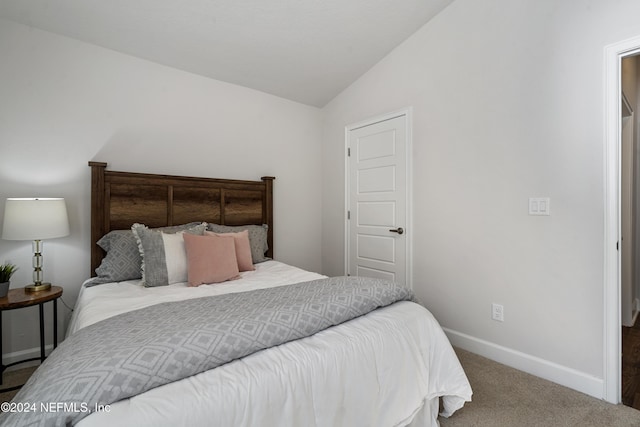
(348, 214)
(617, 245)
(349, 152)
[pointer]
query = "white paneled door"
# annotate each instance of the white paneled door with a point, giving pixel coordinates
(377, 216)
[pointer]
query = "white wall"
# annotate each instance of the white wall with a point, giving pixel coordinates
(63, 103)
(507, 101)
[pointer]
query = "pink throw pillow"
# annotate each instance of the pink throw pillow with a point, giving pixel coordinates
(210, 259)
(243, 248)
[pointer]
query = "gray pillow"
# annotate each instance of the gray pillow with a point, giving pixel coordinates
(257, 238)
(157, 247)
(123, 260)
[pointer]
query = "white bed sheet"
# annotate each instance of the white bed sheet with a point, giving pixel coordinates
(99, 302)
(387, 368)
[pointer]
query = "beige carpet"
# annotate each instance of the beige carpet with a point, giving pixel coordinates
(503, 396)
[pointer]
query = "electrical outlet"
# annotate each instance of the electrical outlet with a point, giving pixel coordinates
(497, 312)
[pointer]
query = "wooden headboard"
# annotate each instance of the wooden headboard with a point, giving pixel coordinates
(120, 199)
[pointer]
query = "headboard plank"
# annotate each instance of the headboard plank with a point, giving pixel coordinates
(242, 207)
(120, 199)
(131, 201)
(201, 203)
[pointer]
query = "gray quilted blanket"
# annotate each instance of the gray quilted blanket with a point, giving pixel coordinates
(134, 352)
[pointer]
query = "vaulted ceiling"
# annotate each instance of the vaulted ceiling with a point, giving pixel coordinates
(303, 50)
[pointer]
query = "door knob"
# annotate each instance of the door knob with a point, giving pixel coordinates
(398, 230)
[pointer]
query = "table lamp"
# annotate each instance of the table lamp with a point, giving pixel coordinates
(35, 219)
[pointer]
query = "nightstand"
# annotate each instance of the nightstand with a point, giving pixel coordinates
(18, 298)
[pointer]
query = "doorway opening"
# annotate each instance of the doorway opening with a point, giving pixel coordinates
(630, 229)
(619, 275)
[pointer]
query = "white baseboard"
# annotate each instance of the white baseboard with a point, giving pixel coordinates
(533, 365)
(29, 353)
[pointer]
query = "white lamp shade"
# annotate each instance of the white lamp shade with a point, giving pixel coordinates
(35, 219)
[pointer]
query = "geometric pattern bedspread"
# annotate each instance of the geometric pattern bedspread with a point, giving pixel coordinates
(136, 351)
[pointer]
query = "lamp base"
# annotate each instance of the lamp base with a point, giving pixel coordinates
(37, 287)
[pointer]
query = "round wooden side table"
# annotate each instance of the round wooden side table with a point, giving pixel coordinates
(18, 298)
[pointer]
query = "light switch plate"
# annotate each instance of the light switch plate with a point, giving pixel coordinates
(539, 205)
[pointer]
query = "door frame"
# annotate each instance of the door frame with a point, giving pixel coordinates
(408, 113)
(612, 369)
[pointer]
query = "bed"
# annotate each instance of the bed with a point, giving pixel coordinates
(389, 366)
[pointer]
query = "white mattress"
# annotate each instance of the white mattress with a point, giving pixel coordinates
(387, 368)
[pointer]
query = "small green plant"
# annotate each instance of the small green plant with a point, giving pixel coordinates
(6, 271)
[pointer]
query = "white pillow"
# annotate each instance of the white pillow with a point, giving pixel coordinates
(176, 257)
